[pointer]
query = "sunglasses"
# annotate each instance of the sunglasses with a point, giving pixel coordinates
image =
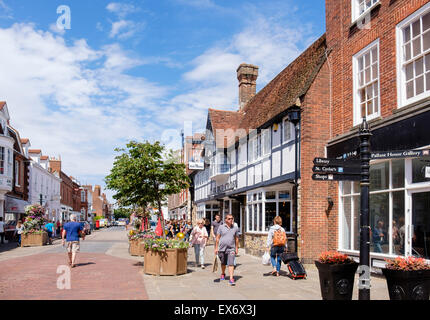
(229, 219)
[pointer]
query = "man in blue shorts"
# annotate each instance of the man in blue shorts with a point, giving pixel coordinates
(71, 232)
(227, 246)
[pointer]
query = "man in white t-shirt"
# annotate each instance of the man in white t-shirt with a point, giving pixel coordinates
(2, 230)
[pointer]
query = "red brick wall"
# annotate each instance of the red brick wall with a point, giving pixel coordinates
(317, 229)
(346, 42)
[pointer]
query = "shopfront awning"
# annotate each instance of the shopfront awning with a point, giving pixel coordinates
(14, 205)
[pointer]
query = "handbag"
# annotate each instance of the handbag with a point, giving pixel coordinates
(215, 266)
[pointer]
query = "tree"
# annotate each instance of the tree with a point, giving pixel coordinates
(145, 175)
(122, 213)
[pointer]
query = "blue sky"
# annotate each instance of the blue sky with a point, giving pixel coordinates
(137, 69)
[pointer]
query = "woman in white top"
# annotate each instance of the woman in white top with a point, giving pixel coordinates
(19, 231)
(275, 251)
(199, 237)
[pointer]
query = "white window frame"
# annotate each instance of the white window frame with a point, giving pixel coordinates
(356, 87)
(291, 127)
(251, 202)
(402, 101)
(17, 173)
(2, 159)
(266, 142)
(355, 9)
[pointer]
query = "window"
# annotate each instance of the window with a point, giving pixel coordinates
(366, 83)
(362, 7)
(1, 160)
(266, 143)
(82, 195)
(286, 131)
(413, 37)
(17, 173)
(9, 162)
(264, 206)
(254, 148)
(387, 209)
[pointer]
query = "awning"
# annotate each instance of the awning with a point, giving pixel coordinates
(14, 205)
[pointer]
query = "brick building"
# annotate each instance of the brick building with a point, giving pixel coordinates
(380, 69)
(250, 155)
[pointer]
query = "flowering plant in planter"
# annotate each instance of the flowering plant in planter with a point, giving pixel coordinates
(34, 219)
(159, 244)
(334, 257)
(407, 264)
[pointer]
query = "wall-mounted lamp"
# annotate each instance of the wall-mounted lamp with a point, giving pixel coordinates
(275, 127)
(330, 201)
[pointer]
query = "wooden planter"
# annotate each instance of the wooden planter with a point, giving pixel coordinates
(136, 248)
(408, 285)
(171, 262)
(336, 280)
(34, 240)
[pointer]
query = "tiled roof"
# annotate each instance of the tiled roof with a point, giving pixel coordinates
(277, 96)
(24, 141)
(44, 158)
(34, 151)
(282, 92)
(2, 104)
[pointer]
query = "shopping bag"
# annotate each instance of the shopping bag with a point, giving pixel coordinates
(215, 266)
(266, 259)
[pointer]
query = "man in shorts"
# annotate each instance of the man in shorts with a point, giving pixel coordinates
(71, 232)
(50, 229)
(227, 246)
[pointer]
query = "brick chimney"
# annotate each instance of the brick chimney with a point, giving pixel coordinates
(247, 75)
(55, 165)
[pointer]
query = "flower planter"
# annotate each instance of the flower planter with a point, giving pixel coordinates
(408, 285)
(170, 262)
(136, 248)
(34, 239)
(336, 280)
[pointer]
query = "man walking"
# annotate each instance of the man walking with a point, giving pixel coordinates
(227, 246)
(71, 232)
(215, 225)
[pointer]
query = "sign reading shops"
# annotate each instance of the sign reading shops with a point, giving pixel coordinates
(335, 177)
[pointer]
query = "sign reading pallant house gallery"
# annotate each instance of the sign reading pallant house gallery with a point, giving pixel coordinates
(399, 154)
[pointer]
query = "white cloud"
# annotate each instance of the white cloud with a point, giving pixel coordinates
(65, 105)
(121, 9)
(198, 3)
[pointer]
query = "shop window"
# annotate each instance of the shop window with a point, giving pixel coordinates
(270, 195)
(379, 219)
(420, 169)
(398, 173)
(398, 226)
(270, 214)
(413, 36)
(379, 176)
(346, 235)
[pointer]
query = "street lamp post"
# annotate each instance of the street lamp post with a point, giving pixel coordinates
(294, 118)
(364, 268)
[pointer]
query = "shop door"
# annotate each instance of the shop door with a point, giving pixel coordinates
(420, 224)
(285, 214)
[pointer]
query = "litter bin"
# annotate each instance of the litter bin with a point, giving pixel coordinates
(97, 224)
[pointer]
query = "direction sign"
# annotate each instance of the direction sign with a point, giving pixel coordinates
(337, 162)
(335, 177)
(337, 169)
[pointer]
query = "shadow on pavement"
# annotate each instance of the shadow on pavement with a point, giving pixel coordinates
(83, 264)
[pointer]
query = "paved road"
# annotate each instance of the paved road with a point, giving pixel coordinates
(106, 271)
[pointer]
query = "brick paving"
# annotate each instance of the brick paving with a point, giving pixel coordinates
(106, 271)
(31, 273)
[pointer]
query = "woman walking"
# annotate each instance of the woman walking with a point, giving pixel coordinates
(19, 231)
(199, 237)
(276, 243)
